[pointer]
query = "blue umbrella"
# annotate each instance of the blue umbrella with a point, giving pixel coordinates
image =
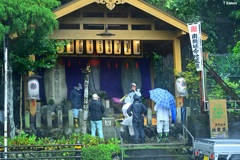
(163, 98)
(160, 97)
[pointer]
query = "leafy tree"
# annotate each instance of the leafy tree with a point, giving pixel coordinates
(25, 26)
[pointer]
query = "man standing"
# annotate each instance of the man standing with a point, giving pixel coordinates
(96, 110)
(164, 118)
(76, 100)
(134, 91)
(138, 110)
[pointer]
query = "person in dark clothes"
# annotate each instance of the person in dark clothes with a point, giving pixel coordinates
(138, 110)
(76, 101)
(96, 110)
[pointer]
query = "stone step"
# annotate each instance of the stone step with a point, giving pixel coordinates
(163, 157)
(155, 151)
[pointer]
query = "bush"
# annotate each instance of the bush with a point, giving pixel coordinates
(100, 152)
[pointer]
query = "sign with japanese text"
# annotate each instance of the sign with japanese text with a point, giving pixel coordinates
(218, 118)
(196, 42)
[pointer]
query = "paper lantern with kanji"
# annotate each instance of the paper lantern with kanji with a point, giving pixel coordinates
(33, 89)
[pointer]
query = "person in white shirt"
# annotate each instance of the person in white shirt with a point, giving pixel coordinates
(134, 91)
(127, 121)
(164, 118)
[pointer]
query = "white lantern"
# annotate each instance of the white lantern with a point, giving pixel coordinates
(79, 46)
(89, 46)
(108, 46)
(136, 47)
(33, 87)
(181, 87)
(117, 47)
(127, 47)
(70, 47)
(60, 49)
(99, 46)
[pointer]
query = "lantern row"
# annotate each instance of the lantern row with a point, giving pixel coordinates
(116, 47)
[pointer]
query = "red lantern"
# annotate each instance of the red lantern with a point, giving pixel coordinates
(116, 65)
(137, 65)
(69, 63)
(127, 65)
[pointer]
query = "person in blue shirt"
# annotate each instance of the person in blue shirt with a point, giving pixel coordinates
(76, 101)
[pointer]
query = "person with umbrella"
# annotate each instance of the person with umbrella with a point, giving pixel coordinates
(138, 110)
(165, 108)
(164, 118)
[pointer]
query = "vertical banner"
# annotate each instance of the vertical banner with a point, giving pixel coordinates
(196, 42)
(70, 47)
(117, 47)
(89, 46)
(127, 47)
(79, 46)
(218, 118)
(136, 47)
(99, 46)
(108, 46)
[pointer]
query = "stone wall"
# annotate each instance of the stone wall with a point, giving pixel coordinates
(198, 125)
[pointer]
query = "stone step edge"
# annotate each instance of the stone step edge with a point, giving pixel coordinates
(157, 156)
(152, 144)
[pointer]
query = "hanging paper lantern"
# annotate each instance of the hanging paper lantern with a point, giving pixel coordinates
(33, 87)
(181, 87)
(126, 65)
(137, 65)
(69, 63)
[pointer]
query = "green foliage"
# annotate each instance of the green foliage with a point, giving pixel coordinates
(100, 152)
(27, 26)
(218, 93)
(92, 147)
(192, 79)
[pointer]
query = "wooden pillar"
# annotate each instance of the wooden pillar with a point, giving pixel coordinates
(177, 65)
(30, 105)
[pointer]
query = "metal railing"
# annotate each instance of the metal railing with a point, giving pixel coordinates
(40, 152)
(231, 104)
(185, 136)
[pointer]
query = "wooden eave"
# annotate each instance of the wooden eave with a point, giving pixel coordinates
(140, 4)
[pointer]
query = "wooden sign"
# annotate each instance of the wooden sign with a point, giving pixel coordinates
(218, 118)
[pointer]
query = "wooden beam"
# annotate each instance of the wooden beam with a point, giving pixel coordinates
(119, 34)
(70, 7)
(88, 20)
(177, 65)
